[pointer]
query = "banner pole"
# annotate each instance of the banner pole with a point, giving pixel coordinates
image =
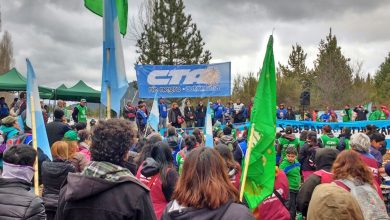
(108, 102)
(247, 157)
(34, 136)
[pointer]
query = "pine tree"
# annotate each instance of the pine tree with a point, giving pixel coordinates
(296, 69)
(6, 53)
(382, 80)
(333, 74)
(171, 38)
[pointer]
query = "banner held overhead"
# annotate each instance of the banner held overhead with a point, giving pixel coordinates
(176, 81)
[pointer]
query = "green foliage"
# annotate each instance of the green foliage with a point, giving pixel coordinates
(382, 81)
(244, 87)
(333, 75)
(171, 38)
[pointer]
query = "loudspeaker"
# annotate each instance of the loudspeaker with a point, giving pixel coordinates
(305, 98)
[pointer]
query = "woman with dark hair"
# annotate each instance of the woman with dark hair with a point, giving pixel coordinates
(234, 168)
(158, 173)
(190, 143)
(204, 190)
(199, 137)
(175, 118)
(147, 148)
(352, 174)
(307, 153)
(53, 175)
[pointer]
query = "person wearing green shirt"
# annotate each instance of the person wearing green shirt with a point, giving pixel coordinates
(347, 114)
(190, 143)
(287, 140)
(327, 139)
(80, 112)
(375, 114)
(292, 169)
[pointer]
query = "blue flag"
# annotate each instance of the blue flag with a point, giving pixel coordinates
(35, 108)
(153, 117)
(113, 74)
(209, 127)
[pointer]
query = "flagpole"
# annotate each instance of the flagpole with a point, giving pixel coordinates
(108, 102)
(34, 136)
(108, 86)
(247, 157)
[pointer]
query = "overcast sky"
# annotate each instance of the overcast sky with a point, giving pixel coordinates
(64, 40)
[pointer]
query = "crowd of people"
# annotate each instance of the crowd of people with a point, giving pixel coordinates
(358, 113)
(110, 170)
(188, 116)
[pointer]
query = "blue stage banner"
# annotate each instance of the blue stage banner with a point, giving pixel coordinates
(179, 81)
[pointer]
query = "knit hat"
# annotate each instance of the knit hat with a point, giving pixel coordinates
(71, 136)
(9, 120)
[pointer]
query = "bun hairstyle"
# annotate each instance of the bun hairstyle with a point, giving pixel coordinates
(190, 142)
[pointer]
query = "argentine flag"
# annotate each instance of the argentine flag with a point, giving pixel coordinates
(113, 73)
(34, 108)
(209, 127)
(153, 118)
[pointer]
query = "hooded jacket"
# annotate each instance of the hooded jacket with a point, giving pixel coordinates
(53, 175)
(104, 191)
(55, 130)
(324, 160)
(272, 208)
(149, 174)
(233, 146)
(16, 202)
(229, 211)
(330, 200)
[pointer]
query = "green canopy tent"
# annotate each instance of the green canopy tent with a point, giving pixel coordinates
(77, 92)
(15, 81)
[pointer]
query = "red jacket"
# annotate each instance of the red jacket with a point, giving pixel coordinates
(155, 185)
(272, 208)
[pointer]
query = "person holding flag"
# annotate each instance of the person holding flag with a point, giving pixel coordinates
(258, 176)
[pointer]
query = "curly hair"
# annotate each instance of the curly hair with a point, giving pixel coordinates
(111, 140)
(348, 164)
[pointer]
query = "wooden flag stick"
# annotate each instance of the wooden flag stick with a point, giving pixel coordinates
(34, 136)
(247, 160)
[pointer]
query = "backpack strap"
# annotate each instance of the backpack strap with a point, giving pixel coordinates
(281, 199)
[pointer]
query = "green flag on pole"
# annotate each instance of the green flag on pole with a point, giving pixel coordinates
(257, 181)
(96, 6)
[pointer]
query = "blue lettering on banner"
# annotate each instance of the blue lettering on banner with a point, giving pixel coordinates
(203, 80)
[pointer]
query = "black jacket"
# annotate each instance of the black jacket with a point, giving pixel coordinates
(290, 115)
(87, 198)
(188, 113)
(53, 175)
(324, 160)
(361, 114)
(229, 211)
(16, 202)
(55, 131)
(201, 111)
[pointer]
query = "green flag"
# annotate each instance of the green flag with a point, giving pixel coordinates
(257, 181)
(96, 6)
